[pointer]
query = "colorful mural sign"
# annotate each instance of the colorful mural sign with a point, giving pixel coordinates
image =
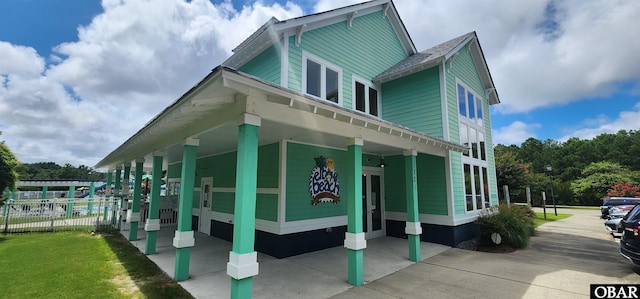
(323, 183)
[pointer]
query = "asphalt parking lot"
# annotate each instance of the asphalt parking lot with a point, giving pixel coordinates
(562, 261)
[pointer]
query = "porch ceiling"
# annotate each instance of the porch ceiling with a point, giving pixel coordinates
(210, 109)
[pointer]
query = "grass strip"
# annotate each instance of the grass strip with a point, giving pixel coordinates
(539, 220)
(80, 265)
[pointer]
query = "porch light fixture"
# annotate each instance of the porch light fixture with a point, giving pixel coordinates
(382, 164)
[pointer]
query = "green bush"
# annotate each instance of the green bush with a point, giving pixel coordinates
(515, 225)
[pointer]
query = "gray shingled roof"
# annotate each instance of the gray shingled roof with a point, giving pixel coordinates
(429, 56)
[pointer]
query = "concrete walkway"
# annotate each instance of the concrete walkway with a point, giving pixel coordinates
(319, 274)
(561, 262)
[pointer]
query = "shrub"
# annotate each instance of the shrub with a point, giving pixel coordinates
(515, 225)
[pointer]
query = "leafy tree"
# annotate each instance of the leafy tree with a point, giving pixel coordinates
(511, 172)
(8, 176)
(624, 190)
(597, 178)
(53, 171)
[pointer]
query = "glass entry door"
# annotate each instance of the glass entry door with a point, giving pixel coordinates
(204, 220)
(373, 203)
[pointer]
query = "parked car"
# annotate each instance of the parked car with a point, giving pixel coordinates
(630, 240)
(619, 211)
(614, 218)
(616, 201)
(614, 226)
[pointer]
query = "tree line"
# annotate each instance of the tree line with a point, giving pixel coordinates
(583, 171)
(53, 171)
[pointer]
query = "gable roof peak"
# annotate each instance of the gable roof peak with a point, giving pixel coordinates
(274, 29)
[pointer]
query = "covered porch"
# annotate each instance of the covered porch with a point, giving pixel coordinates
(226, 119)
(319, 274)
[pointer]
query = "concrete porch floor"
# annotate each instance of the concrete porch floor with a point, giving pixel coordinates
(319, 274)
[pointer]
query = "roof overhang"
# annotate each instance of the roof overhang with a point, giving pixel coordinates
(210, 110)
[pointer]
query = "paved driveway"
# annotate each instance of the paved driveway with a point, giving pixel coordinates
(562, 261)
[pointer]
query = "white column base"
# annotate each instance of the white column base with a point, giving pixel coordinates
(241, 266)
(355, 241)
(184, 239)
(413, 228)
(152, 225)
(133, 216)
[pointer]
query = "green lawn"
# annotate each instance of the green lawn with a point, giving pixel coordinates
(539, 220)
(79, 265)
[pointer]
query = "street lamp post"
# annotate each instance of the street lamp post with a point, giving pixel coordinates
(553, 198)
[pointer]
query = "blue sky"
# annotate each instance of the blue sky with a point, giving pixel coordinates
(78, 77)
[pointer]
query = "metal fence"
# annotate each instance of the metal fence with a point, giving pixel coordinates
(57, 214)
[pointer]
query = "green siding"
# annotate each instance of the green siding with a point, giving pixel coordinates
(268, 165)
(432, 188)
(266, 65)
(414, 101)
(457, 178)
(395, 193)
(300, 163)
(463, 68)
(223, 202)
(196, 199)
(223, 170)
(366, 49)
(432, 185)
(267, 206)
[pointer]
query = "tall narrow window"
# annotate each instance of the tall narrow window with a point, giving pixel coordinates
(331, 92)
(360, 97)
(473, 135)
(468, 187)
(314, 75)
(365, 97)
(471, 102)
(462, 104)
(373, 101)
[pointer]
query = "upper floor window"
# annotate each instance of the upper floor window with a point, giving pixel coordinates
(365, 97)
(472, 131)
(470, 105)
(321, 79)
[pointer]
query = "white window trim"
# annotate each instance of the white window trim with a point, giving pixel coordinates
(472, 163)
(324, 65)
(467, 121)
(475, 96)
(369, 84)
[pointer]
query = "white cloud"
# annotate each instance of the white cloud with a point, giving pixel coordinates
(514, 133)
(128, 64)
(138, 56)
(591, 128)
(587, 54)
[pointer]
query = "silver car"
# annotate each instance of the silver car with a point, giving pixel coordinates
(613, 222)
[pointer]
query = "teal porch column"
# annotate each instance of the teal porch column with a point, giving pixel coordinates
(413, 228)
(355, 241)
(134, 214)
(107, 194)
(243, 259)
(116, 199)
(184, 240)
(124, 198)
(70, 198)
(92, 190)
(152, 225)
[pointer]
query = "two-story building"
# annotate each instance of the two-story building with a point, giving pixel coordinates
(321, 131)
